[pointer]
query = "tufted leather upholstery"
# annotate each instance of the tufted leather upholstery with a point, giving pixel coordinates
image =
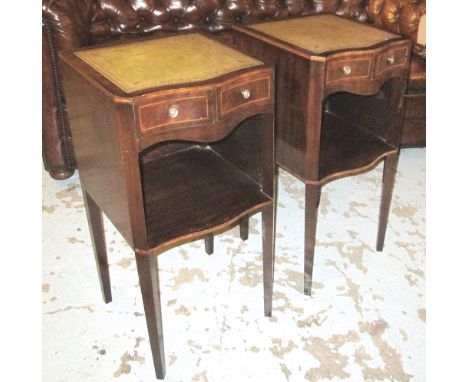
(401, 16)
(69, 24)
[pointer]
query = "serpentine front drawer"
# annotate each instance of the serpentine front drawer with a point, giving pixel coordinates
(244, 91)
(176, 110)
(350, 67)
(391, 58)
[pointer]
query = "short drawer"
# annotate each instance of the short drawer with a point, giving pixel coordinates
(349, 68)
(244, 92)
(390, 59)
(184, 109)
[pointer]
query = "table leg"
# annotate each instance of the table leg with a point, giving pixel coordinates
(388, 181)
(319, 195)
(147, 266)
(312, 195)
(244, 228)
(209, 244)
(98, 238)
(268, 232)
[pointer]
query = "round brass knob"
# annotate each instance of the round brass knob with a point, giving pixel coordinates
(173, 111)
(245, 93)
(347, 69)
(391, 60)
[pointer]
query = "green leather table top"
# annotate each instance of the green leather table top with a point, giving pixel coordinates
(186, 58)
(324, 33)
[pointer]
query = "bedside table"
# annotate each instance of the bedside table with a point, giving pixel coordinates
(339, 98)
(174, 142)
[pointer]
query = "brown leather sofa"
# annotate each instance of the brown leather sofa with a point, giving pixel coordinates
(69, 24)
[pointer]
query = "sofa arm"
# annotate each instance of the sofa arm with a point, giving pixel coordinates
(420, 47)
(56, 148)
(419, 50)
(65, 25)
(68, 22)
(397, 16)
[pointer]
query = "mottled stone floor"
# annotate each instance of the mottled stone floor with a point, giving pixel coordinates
(365, 320)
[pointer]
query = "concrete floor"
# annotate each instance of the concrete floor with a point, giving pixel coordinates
(365, 320)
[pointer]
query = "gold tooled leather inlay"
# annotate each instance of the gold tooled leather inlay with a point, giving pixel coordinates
(166, 61)
(324, 33)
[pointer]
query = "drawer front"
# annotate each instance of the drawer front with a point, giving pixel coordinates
(347, 68)
(244, 92)
(390, 59)
(175, 111)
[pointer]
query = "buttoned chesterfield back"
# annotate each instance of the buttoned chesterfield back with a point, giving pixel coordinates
(70, 24)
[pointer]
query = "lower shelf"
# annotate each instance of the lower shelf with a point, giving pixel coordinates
(346, 149)
(192, 192)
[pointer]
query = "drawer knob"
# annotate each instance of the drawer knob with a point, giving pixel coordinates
(173, 111)
(391, 60)
(245, 93)
(347, 69)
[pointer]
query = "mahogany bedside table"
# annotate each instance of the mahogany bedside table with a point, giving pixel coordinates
(339, 96)
(174, 142)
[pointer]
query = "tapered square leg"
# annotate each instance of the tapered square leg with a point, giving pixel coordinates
(147, 266)
(268, 233)
(244, 228)
(98, 238)
(388, 182)
(209, 244)
(312, 196)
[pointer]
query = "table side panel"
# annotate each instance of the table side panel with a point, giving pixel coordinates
(291, 90)
(99, 155)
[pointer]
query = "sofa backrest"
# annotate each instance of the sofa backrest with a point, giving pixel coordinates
(400, 16)
(89, 21)
(117, 17)
(84, 22)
